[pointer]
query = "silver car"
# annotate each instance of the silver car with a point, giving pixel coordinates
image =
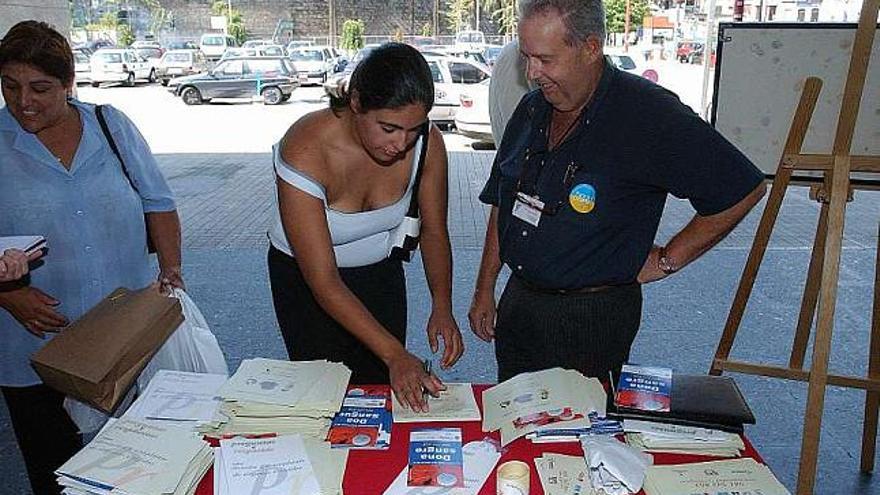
(176, 63)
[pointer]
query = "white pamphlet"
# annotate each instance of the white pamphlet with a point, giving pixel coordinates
(268, 466)
(456, 403)
(179, 396)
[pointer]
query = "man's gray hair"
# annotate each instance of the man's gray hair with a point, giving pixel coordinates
(582, 18)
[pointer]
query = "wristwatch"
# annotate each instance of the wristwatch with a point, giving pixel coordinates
(665, 263)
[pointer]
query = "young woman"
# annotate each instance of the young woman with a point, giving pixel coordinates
(345, 179)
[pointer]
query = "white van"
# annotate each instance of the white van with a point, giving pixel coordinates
(120, 65)
(213, 45)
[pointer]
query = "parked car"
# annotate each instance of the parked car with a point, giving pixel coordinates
(254, 51)
(491, 53)
(472, 41)
(82, 67)
(293, 45)
(458, 52)
(145, 44)
(334, 84)
(182, 45)
(696, 56)
(340, 59)
(314, 64)
(255, 43)
(685, 48)
(214, 45)
(94, 45)
(472, 117)
(150, 52)
(273, 78)
(626, 63)
(120, 65)
(451, 76)
(176, 63)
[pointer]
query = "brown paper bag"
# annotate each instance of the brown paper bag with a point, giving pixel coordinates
(98, 357)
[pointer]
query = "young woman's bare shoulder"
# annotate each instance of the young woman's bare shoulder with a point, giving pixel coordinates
(303, 144)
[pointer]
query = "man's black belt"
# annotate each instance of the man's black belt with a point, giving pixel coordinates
(561, 292)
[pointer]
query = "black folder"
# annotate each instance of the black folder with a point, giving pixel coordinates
(699, 400)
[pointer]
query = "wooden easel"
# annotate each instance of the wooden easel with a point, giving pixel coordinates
(823, 272)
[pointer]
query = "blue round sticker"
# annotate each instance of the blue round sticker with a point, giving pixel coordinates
(582, 198)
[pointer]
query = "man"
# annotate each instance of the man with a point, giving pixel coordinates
(577, 190)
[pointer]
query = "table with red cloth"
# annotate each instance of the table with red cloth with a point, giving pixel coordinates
(370, 472)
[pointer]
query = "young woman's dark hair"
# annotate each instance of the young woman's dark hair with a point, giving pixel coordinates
(38, 44)
(391, 76)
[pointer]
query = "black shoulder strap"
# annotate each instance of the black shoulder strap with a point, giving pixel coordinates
(99, 112)
(413, 210)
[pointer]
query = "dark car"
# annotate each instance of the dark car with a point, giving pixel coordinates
(273, 78)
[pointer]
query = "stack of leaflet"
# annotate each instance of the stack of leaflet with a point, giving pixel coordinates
(549, 399)
(726, 477)
(179, 398)
(563, 474)
(651, 436)
(27, 243)
(281, 465)
(136, 458)
(598, 426)
(281, 397)
(364, 422)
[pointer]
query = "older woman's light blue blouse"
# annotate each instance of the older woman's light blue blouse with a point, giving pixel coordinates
(90, 215)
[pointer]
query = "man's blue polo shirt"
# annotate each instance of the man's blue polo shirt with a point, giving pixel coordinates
(604, 187)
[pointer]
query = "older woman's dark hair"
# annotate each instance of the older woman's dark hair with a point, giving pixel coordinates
(391, 76)
(38, 44)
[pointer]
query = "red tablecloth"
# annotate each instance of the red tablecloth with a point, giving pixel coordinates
(369, 472)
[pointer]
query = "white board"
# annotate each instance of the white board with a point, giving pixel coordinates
(760, 74)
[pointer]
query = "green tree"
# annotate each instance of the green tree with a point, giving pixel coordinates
(234, 21)
(504, 12)
(352, 34)
(615, 14)
(459, 14)
(124, 35)
(426, 29)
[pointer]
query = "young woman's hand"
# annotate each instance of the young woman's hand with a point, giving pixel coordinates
(410, 381)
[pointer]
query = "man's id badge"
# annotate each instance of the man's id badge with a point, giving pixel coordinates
(528, 208)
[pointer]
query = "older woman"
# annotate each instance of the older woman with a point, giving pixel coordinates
(61, 178)
(346, 176)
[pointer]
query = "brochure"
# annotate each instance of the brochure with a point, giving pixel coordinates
(480, 458)
(646, 388)
(456, 403)
(363, 422)
(435, 458)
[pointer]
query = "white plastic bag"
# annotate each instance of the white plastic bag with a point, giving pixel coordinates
(192, 347)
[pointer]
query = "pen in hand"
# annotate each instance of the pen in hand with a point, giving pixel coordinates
(427, 366)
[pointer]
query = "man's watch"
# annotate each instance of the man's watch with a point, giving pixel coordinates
(665, 263)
